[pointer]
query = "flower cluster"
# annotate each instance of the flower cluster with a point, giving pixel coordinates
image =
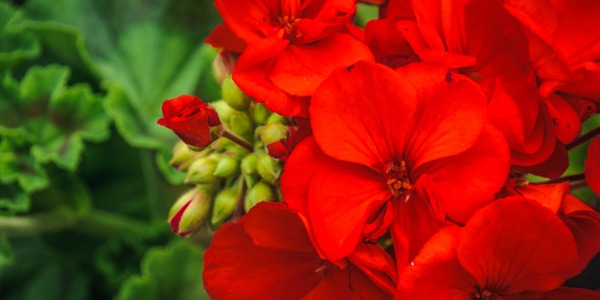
(418, 135)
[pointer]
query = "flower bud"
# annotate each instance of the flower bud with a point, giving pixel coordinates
(223, 109)
(248, 164)
(223, 65)
(272, 133)
(268, 168)
(261, 191)
(183, 156)
(227, 167)
(241, 124)
(259, 113)
(201, 171)
(275, 118)
(224, 205)
(232, 94)
(189, 211)
(194, 122)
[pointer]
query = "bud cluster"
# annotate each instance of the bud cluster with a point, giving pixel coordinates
(235, 172)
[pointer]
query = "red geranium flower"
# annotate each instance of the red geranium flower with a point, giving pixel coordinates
(493, 257)
(190, 119)
(292, 46)
(412, 146)
(269, 254)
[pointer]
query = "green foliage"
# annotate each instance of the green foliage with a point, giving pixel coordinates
(173, 272)
(15, 44)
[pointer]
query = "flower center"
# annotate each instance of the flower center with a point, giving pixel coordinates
(397, 179)
(482, 295)
(286, 28)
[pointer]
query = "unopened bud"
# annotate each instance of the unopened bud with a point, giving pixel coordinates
(275, 118)
(248, 164)
(223, 109)
(201, 171)
(227, 167)
(223, 65)
(268, 168)
(224, 205)
(182, 156)
(241, 124)
(189, 211)
(261, 191)
(275, 132)
(232, 94)
(259, 113)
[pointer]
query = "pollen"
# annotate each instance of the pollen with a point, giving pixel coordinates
(287, 28)
(397, 179)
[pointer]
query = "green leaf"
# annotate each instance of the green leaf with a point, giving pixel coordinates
(17, 165)
(173, 272)
(74, 115)
(55, 118)
(143, 58)
(13, 199)
(15, 44)
(6, 252)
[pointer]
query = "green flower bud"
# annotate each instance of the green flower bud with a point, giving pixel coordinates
(181, 155)
(275, 118)
(241, 124)
(268, 168)
(248, 164)
(259, 113)
(201, 171)
(227, 167)
(223, 109)
(272, 133)
(189, 211)
(232, 94)
(259, 192)
(224, 205)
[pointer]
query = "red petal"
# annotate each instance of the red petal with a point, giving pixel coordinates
(506, 259)
(223, 37)
(376, 264)
(342, 197)
(548, 195)
(436, 272)
(298, 172)
(247, 19)
(592, 166)
(236, 268)
(584, 223)
(471, 179)
(301, 68)
(355, 114)
(251, 73)
(560, 293)
(449, 117)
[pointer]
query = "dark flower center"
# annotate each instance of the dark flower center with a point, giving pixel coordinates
(287, 28)
(482, 295)
(397, 180)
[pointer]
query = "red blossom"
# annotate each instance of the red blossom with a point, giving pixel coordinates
(292, 46)
(269, 254)
(492, 257)
(190, 119)
(410, 148)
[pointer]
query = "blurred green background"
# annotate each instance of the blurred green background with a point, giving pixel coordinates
(85, 186)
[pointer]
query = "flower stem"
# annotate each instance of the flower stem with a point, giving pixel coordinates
(574, 177)
(584, 138)
(94, 223)
(234, 138)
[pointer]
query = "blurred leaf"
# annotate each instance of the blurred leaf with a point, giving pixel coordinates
(65, 190)
(173, 272)
(38, 272)
(6, 252)
(13, 199)
(56, 119)
(15, 45)
(17, 165)
(146, 51)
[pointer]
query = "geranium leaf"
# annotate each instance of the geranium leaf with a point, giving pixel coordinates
(15, 45)
(173, 272)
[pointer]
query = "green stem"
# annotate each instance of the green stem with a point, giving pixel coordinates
(238, 140)
(94, 223)
(151, 183)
